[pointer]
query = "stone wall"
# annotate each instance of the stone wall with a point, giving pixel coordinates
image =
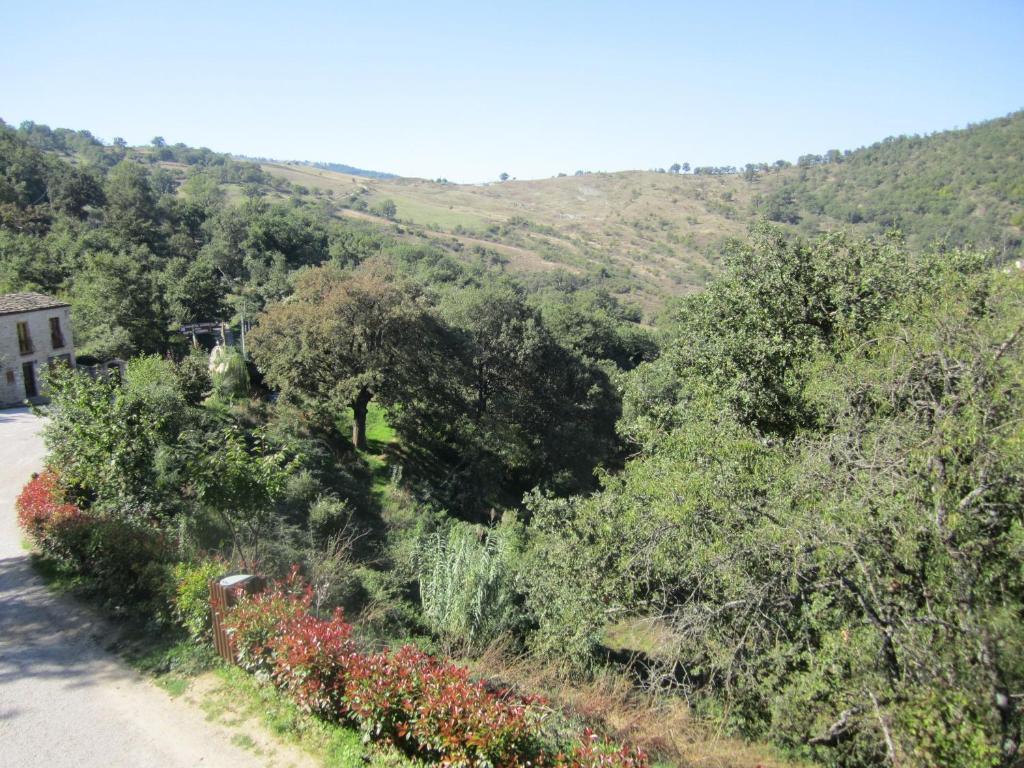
(12, 382)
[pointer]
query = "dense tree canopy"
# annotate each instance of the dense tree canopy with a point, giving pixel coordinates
(480, 391)
(140, 248)
(826, 514)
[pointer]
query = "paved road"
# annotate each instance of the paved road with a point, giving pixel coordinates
(63, 700)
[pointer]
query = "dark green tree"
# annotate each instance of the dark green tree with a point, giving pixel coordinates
(117, 307)
(131, 210)
(340, 342)
(385, 208)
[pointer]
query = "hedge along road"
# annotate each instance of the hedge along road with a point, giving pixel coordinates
(64, 701)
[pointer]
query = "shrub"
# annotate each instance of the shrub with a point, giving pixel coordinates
(228, 373)
(128, 560)
(254, 622)
(152, 382)
(310, 658)
(328, 516)
(596, 752)
(102, 440)
(432, 708)
(125, 559)
(467, 585)
(301, 489)
(193, 377)
(54, 526)
(426, 706)
(385, 208)
(191, 601)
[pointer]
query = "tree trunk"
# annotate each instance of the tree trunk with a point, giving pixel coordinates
(359, 406)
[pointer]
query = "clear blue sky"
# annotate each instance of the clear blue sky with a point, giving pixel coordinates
(468, 90)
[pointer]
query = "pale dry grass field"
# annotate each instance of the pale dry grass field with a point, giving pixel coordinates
(661, 233)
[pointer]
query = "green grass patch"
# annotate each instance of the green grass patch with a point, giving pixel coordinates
(428, 213)
(379, 434)
(244, 741)
(381, 438)
(175, 685)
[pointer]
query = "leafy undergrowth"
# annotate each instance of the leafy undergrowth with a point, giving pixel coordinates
(57, 578)
(263, 719)
(346, 707)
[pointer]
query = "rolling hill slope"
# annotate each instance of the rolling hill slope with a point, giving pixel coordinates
(661, 234)
(644, 235)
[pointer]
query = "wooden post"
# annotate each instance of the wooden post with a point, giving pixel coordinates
(224, 593)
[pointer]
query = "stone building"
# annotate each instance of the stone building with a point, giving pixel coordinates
(35, 330)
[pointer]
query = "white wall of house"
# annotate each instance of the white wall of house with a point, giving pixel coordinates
(13, 361)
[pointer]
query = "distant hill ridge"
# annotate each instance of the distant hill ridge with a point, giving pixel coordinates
(655, 234)
(351, 170)
(644, 235)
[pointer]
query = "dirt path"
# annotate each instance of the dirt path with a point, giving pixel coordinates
(64, 701)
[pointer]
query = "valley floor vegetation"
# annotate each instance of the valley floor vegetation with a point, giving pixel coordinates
(795, 507)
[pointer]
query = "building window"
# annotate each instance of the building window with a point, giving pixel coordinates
(56, 334)
(10, 377)
(24, 340)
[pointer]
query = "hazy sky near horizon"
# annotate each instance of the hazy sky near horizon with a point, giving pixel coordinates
(467, 90)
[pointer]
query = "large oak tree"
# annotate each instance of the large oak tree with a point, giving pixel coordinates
(342, 340)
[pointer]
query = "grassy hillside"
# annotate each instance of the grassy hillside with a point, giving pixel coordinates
(659, 234)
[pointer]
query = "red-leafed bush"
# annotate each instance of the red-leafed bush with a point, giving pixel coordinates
(310, 661)
(426, 706)
(55, 526)
(256, 622)
(432, 708)
(124, 559)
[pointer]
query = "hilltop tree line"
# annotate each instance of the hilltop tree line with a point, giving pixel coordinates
(954, 187)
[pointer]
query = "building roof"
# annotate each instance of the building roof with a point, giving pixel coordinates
(12, 303)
